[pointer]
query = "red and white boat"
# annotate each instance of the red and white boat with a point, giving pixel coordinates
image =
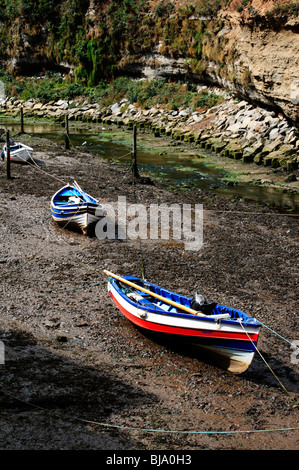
(228, 335)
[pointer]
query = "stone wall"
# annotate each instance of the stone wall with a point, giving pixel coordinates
(233, 129)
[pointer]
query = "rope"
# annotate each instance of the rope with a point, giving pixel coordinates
(123, 156)
(251, 213)
(36, 253)
(79, 287)
(277, 334)
(186, 432)
(271, 370)
(34, 164)
(131, 428)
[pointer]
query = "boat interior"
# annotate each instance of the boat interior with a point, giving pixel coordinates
(147, 301)
(70, 196)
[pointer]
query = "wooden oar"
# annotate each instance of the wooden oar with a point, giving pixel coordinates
(168, 301)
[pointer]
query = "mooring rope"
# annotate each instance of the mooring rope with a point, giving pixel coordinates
(271, 370)
(270, 329)
(131, 428)
(36, 253)
(79, 287)
(34, 164)
(170, 431)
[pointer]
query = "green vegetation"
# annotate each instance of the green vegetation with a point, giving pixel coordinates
(98, 48)
(102, 46)
(289, 9)
(44, 89)
(170, 95)
(146, 94)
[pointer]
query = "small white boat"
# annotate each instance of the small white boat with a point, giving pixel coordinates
(19, 153)
(73, 208)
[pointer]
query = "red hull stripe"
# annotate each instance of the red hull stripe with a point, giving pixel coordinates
(183, 331)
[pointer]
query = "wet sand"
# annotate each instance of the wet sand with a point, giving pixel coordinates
(74, 364)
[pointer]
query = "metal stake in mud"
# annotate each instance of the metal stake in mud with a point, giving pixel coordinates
(22, 120)
(67, 139)
(134, 156)
(8, 176)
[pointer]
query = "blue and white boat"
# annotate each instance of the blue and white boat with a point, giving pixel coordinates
(226, 334)
(71, 207)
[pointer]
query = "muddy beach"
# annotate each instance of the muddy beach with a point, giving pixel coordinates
(78, 376)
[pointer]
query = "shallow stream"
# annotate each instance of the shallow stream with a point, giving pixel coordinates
(169, 161)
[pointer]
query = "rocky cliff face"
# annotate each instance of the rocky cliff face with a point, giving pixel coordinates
(255, 55)
(267, 63)
(250, 47)
(265, 68)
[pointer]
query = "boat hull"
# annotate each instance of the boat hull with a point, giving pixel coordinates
(78, 217)
(82, 214)
(226, 343)
(19, 153)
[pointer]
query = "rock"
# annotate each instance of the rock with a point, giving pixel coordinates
(61, 338)
(217, 144)
(274, 134)
(273, 159)
(242, 104)
(62, 104)
(291, 164)
(294, 95)
(52, 323)
(290, 178)
(287, 149)
(291, 137)
(183, 114)
(270, 147)
(258, 159)
(250, 152)
(29, 104)
(197, 117)
(115, 108)
(232, 150)
(234, 127)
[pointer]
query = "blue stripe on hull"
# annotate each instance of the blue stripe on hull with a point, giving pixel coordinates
(70, 214)
(237, 345)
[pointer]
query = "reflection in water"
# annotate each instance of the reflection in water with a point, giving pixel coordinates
(178, 169)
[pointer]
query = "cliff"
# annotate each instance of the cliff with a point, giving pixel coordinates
(250, 47)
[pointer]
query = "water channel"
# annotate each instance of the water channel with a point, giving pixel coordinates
(164, 160)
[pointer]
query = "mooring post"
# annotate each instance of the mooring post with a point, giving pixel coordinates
(134, 154)
(67, 139)
(22, 120)
(8, 176)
